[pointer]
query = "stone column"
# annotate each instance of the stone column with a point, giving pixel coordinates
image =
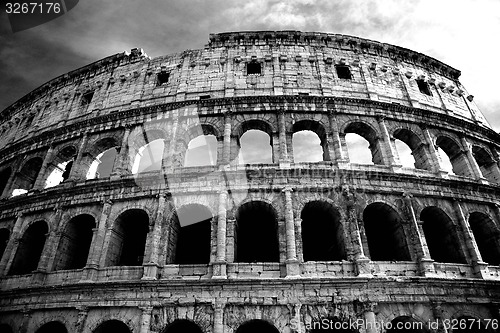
(96, 246)
(15, 172)
(369, 317)
(145, 318)
(435, 158)
(437, 312)
(219, 316)
(50, 248)
(230, 246)
(219, 266)
(23, 328)
(122, 165)
(170, 148)
(83, 312)
(226, 152)
(284, 158)
(423, 255)
(292, 264)
(476, 171)
(151, 263)
(77, 171)
(337, 153)
(43, 169)
(387, 149)
(480, 267)
(12, 245)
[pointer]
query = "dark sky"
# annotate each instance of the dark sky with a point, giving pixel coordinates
(463, 34)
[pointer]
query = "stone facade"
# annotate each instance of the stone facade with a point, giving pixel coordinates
(279, 247)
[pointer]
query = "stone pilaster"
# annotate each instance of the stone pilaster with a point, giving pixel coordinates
(151, 263)
(337, 153)
(386, 146)
(292, 264)
(49, 156)
(283, 156)
(226, 152)
(12, 245)
(219, 266)
(145, 318)
(78, 170)
(437, 312)
(369, 317)
(476, 171)
(50, 249)
(83, 312)
(219, 316)
(122, 164)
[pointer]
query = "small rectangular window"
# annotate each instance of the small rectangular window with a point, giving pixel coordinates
(424, 87)
(204, 96)
(87, 97)
(343, 72)
(254, 67)
(162, 78)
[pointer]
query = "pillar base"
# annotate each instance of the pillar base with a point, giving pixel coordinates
(292, 269)
(219, 270)
(427, 267)
(481, 269)
(90, 273)
(363, 267)
(38, 277)
(150, 271)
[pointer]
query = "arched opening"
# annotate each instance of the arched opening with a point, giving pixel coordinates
(114, 326)
(102, 165)
(488, 166)
(128, 239)
(4, 178)
(254, 67)
(191, 235)
(60, 167)
(441, 236)
(309, 142)
(202, 150)
(182, 326)
(149, 157)
(29, 249)
(255, 142)
(356, 145)
(385, 234)
(27, 176)
(412, 151)
(445, 162)
(4, 328)
(469, 324)
(257, 325)
(322, 232)
(330, 325)
(406, 324)
(456, 156)
(4, 238)
(52, 327)
(487, 237)
(75, 242)
(256, 236)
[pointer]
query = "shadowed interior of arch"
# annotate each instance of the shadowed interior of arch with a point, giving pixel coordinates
(52, 327)
(257, 325)
(322, 232)
(4, 238)
(61, 167)
(26, 178)
(487, 236)
(384, 233)
(407, 324)
(114, 326)
(30, 249)
(182, 326)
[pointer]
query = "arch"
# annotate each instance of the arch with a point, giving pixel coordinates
(256, 233)
(52, 327)
(4, 238)
(201, 150)
(4, 178)
(113, 325)
(305, 133)
(191, 234)
(102, 165)
(385, 234)
(418, 152)
(407, 324)
(5, 328)
(149, 157)
(257, 325)
(322, 232)
(441, 236)
(182, 326)
(60, 167)
(456, 156)
(487, 237)
(75, 243)
(252, 142)
(489, 168)
(369, 134)
(128, 239)
(29, 249)
(25, 179)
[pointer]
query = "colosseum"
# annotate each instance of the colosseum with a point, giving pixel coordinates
(272, 181)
